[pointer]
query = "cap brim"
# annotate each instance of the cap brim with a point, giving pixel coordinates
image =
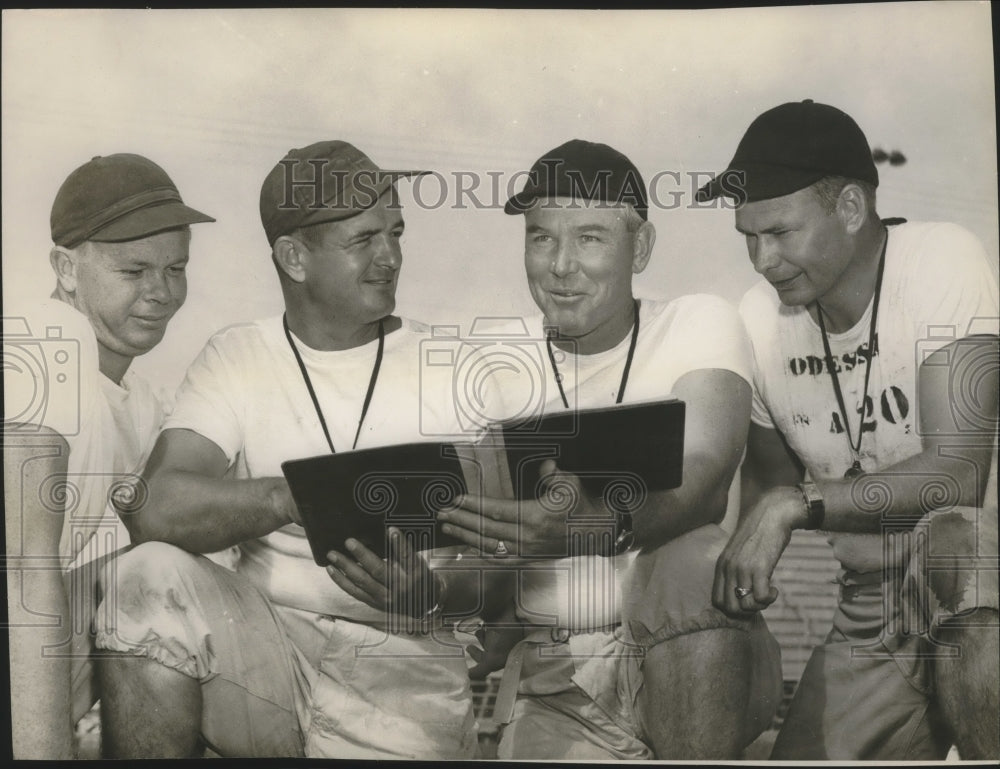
(323, 215)
(710, 191)
(748, 183)
(522, 201)
(149, 221)
(390, 172)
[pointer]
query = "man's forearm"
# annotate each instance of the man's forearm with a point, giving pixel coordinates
(899, 495)
(699, 501)
(39, 684)
(203, 515)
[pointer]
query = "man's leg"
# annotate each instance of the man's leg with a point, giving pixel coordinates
(194, 655)
(952, 584)
(695, 694)
(707, 684)
(148, 710)
(968, 685)
(121, 679)
(858, 700)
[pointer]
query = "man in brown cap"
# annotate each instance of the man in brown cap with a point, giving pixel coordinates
(77, 422)
(874, 420)
(275, 659)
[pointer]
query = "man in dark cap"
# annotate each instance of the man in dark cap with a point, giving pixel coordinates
(874, 420)
(275, 659)
(638, 663)
(77, 421)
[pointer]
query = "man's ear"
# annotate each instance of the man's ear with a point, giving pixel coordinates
(292, 257)
(642, 246)
(852, 208)
(64, 264)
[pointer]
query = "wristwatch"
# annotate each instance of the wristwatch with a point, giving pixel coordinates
(442, 591)
(815, 509)
(624, 534)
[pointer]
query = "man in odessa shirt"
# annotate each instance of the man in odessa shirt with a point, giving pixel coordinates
(639, 663)
(875, 393)
(276, 659)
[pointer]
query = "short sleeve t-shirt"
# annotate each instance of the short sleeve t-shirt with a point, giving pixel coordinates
(693, 332)
(937, 287)
(52, 379)
(246, 394)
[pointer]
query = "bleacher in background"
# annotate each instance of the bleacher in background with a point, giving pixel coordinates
(801, 616)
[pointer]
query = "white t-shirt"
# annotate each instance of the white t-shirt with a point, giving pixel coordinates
(693, 332)
(937, 287)
(51, 378)
(246, 394)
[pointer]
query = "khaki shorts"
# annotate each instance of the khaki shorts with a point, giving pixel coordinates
(866, 693)
(278, 681)
(577, 692)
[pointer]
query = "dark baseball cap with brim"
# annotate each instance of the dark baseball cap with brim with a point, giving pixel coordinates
(117, 198)
(790, 147)
(325, 182)
(582, 170)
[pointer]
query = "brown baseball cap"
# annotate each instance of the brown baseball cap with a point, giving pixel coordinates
(116, 198)
(325, 182)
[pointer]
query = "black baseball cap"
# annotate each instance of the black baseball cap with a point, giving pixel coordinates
(584, 170)
(790, 147)
(117, 198)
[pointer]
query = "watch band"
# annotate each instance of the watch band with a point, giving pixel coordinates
(815, 508)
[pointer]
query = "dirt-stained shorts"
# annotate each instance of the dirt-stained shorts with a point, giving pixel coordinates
(278, 681)
(576, 693)
(866, 693)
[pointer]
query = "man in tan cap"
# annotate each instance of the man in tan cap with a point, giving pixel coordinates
(77, 422)
(276, 659)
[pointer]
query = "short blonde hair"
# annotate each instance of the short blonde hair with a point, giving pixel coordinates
(828, 191)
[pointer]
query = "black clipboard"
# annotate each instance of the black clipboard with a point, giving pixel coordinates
(621, 453)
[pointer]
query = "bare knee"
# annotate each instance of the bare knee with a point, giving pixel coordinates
(695, 694)
(970, 647)
(967, 682)
(147, 709)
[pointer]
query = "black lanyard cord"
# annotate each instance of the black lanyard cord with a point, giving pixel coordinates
(855, 447)
(312, 392)
(628, 359)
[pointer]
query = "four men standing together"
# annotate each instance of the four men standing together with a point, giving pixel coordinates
(275, 657)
